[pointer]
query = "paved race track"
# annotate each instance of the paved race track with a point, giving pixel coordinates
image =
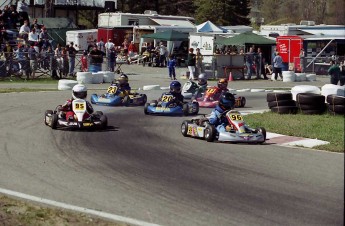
(143, 168)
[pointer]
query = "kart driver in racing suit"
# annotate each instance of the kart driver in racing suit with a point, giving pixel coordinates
(123, 85)
(202, 85)
(217, 118)
(175, 90)
(223, 85)
(78, 92)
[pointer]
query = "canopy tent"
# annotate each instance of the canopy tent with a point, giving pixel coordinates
(169, 35)
(246, 38)
(208, 26)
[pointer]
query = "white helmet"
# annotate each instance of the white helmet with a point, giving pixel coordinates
(79, 91)
(202, 79)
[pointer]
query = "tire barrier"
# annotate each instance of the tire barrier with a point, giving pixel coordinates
(335, 104)
(152, 87)
(66, 84)
(304, 89)
(311, 77)
(301, 77)
(97, 78)
(330, 89)
(281, 103)
(289, 76)
(108, 76)
(84, 77)
(311, 103)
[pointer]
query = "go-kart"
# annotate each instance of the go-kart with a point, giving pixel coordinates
(191, 90)
(200, 127)
(167, 105)
(211, 97)
(115, 97)
(81, 120)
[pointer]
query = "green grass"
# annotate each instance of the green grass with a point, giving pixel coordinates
(323, 127)
(43, 80)
(17, 90)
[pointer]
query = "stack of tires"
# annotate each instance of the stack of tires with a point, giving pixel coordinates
(336, 104)
(311, 103)
(281, 103)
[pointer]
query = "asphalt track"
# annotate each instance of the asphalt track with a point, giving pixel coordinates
(143, 168)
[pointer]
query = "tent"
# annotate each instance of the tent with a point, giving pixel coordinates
(169, 35)
(246, 38)
(208, 26)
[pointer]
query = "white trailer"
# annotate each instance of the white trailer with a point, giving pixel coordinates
(82, 39)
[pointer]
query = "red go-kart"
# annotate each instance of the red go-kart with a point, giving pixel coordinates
(211, 97)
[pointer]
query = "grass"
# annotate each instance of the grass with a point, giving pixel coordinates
(15, 212)
(323, 127)
(44, 80)
(16, 90)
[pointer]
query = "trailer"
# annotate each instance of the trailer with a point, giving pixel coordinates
(82, 39)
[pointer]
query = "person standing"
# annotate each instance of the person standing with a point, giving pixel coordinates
(342, 73)
(162, 55)
(125, 46)
(96, 59)
(334, 72)
(260, 67)
(198, 62)
(108, 46)
(101, 45)
(112, 59)
(250, 62)
(278, 65)
(171, 67)
(302, 60)
(71, 54)
(191, 63)
(33, 55)
(22, 9)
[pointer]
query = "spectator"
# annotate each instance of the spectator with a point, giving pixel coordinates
(8, 51)
(13, 18)
(112, 59)
(108, 46)
(65, 63)
(302, 60)
(24, 30)
(191, 63)
(278, 65)
(35, 23)
(100, 45)
(33, 55)
(125, 46)
(84, 60)
(71, 54)
(22, 9)
(171, 67)
(198, 63)
(20, 55)
(44, 34)
(132, 49)
(334, 72)
(162, 55)
(6, 16)
(249, 62)
(33, 36)
(96, 59)
(260, 67)
(342, 73)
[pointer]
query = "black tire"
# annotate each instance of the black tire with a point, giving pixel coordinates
(309, 98)
(285, 110)
(263, 131)
(336, 100)
(48, 112)
(316, 106)
(126, 101)
(339, 109)
(145, 108)
(104, 121)
(278, 96)
(55, 119)
(243, 102)
(281, 103)
(98, 113)
(313, 112)
(210, 133)
(184, 128)
(144, 99)
(197, 108)
(185, 109)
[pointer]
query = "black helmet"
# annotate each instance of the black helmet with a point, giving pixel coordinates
(123, 79)
(175, 87)
(226, 101)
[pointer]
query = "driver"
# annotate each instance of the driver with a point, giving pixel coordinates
(123, 85)
(202, 84)
(175, 90)
(226, 102)
(223, 85)
(79, 91)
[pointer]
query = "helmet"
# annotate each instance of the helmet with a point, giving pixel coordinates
(226, 101)
(202, 79)
(222, 83)
(123, 79)
(79, 91)
(175, 87)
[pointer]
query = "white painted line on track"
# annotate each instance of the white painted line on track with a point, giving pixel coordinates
(77, 208)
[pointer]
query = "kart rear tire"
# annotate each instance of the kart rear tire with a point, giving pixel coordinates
(263, 131)
(184, 127)
(55, 119)
(98, 113)
(144, 99)
(145, 108)
(210, 133)
(278, 96)
(48, 112)
(104, 121)
(185, 109)
(126, 101)
(243, 102)
(197, 108)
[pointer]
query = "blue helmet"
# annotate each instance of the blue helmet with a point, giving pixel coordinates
(175, 87)
(226, 101)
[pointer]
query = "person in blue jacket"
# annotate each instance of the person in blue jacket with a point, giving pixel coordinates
(217, 118)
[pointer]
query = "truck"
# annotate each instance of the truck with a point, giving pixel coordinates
(82, 39)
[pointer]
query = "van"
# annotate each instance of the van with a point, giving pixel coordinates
(82, 39)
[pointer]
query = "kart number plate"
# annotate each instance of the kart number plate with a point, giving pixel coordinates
(236, 117)
(112, 89)
(210, 91)
(162, 109)
(79, 106)
(167, 98)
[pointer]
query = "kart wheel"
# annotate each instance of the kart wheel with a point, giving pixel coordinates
(144, 99)
(98, 113)
(104, 121)
(210, 133)
(48, 112)
(54, 121)
(263, 131)
(145, 108)
(126, 101)
(243, 102)
(185, 109)
(196, 108)
(184, 128)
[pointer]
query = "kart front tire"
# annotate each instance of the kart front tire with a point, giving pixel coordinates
(55, 119)
(126, 100)
(184, 128)
(185, 109)
(196, 108)
(144, 99)
(210, 132)
(48, 112)
(104, 121)
(98, 113)
(145, 108)
(243, 102)
(263, 131)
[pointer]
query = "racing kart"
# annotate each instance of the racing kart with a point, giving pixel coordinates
(200, 127)
(115, 97)
(191, 90)
(211, 97)
(167, 105)
(81, 120)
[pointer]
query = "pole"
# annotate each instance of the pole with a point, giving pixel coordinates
(106, 49)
